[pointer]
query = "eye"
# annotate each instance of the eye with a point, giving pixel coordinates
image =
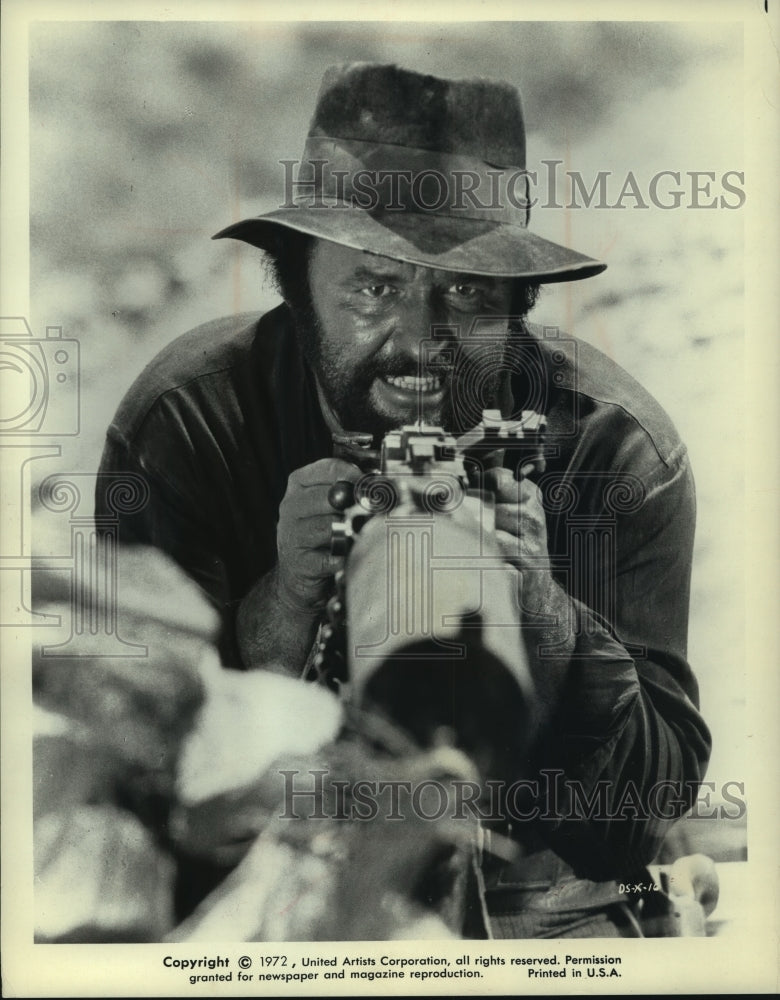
(465, 291)
(378, 291)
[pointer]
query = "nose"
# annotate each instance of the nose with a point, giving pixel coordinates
(422, 332)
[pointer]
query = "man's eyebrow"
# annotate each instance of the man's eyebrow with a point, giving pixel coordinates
(463, 278)
(378, 273)
(387, 272)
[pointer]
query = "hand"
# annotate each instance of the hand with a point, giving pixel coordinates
(305, 565)
(521, 531)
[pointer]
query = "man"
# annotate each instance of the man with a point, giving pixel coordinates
(407, 270)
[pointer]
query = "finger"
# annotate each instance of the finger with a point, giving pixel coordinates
(510, 547)
(508, 518)
(319, 564)
(503, 484)
(310, 501)
(325, 472)
(524, 518)
(529, 496)
(314, 531)
(507, 487)
(532, 466)
(520, 552)
(332, 564)
(316, 565)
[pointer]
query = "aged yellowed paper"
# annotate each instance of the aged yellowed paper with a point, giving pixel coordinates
(133, 134)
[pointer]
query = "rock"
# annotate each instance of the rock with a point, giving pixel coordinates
(248, 721)
(70, 768)
(99, 877)
(137, 709)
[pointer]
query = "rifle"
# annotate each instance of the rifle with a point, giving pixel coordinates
(423, 627)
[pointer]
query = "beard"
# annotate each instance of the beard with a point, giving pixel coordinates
(471, 382)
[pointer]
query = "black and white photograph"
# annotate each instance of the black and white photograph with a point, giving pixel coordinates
(389, 536)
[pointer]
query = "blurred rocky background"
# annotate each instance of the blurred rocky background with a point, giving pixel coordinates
(164, 789)
(146, 138)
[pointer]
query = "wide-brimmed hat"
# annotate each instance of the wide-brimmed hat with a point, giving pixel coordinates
(420, 169)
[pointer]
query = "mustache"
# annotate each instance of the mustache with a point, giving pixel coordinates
(395, 367)
(363, 373)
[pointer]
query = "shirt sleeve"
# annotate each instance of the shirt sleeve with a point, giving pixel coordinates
(176, 516)
(626, 747)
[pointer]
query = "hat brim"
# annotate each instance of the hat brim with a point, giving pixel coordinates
(468, 246)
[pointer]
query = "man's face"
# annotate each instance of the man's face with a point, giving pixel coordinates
(372, 345)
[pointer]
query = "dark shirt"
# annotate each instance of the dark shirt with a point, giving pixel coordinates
(219, 420)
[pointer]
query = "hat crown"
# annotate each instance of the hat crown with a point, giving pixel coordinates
(385, 104)
(419, 169)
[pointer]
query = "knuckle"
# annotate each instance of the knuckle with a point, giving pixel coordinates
(530, 490)
(346, 470)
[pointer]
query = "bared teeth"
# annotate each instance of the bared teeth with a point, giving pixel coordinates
(426, 384)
